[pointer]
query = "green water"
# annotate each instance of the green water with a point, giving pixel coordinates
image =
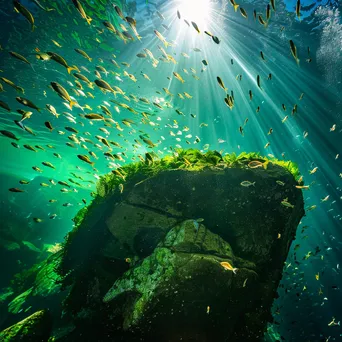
(309, 136)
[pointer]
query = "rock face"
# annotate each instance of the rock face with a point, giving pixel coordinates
(173, 229)
(183, 283)
(36, 327)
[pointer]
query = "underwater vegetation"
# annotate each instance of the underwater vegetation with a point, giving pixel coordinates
(191, 159)
(36, 327)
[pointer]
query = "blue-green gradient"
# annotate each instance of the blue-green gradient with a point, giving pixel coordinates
(301, 314)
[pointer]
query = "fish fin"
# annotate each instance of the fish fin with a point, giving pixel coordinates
(16, 10)
(72, 68)
(236, 7)
(265, 164)
(72, 103)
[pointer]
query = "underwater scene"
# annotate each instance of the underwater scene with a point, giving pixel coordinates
(170, 170)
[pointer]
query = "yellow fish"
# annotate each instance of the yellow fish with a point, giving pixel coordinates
(227, 266)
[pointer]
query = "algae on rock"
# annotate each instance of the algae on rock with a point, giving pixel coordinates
(45, 283)
(34, 328)
(153, 251)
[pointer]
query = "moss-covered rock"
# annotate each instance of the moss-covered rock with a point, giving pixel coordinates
(184, 274)
(160, 241)
(34, 328)
(39, 284)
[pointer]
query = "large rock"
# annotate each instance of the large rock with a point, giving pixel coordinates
(34, 328)
(173, 226)
(181, 288)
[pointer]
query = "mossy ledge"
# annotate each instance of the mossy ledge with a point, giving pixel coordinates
(190, 160)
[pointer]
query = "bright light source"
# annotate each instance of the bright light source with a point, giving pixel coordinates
(195, 10)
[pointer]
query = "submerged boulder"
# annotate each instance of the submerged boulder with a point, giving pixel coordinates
(181, 283)
(150, 245)
(36, 327)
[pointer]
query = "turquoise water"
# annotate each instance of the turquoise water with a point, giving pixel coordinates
(311, 137)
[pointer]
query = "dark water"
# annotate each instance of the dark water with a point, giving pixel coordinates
(310, 294)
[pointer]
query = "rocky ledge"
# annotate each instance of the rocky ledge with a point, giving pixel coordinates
(188, 247)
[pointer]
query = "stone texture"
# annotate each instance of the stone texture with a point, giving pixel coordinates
(152, 255)
(34, 328)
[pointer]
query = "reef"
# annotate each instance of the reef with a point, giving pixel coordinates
(144, 259)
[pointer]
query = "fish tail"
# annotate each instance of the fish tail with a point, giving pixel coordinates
(72, 103)
(236, 7)
(69, 68)
(33, 27)
(265, 164)
(297, 61)
(89, 20)
(57, 115)
(234, 270)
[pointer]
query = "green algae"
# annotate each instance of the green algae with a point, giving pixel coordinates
(43, 279)
(33, 328)
(191, 160)
(16, 304)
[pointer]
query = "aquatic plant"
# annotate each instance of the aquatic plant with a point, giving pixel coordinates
(16, 304)
(192, 160)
